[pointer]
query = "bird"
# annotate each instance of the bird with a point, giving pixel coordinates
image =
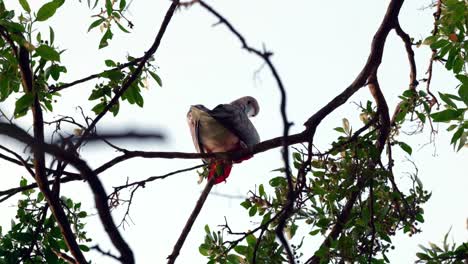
(226, 127)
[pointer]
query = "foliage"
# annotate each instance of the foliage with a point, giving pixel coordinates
(216, 249)
(448, 253)
(450, 46)
(45, 59)
(34, 236)
(348, 186)
(334, 177)
(382, 210)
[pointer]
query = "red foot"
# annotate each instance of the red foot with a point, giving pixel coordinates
(221, 169)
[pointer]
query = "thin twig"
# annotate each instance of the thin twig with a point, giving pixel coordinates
(23, 162)
(62, 86)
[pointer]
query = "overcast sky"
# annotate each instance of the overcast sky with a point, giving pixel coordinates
(319, 47)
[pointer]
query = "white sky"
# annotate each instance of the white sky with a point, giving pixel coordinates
(319, 48)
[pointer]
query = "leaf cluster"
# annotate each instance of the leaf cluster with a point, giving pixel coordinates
(34, 236)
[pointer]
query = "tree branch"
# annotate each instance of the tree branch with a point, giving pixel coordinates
(188, 225)
(39, 157)
(18, 158)
(93, 76)
(89, 175)
(148, 54)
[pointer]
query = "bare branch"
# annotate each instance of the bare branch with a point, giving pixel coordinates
(153, 178)
(97, 248)
(62, 86)
(435, 30)
(188, 226)
(19, 158)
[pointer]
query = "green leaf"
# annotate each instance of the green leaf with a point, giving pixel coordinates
(96, 23)
(458, 63)
(12, 26)
(156, 78)
(115, 109)
(22, 236)
(23, 182)
(297, 156)
(47, 10)
(340, 129)
(252, 211)
(423, 256)
(420, 218)
(139, 99)
(430, 40)
(246, 204)
(25, 5)
(50, 257)
(84, 248)
(446, 115)
(266, 218)
(457, 135)
(110, 63)
(251, 240)
(82, 214)
(233, 259)
(439, 44)
(241, 250)
(421, 117)
(203, 249)
(105, 39)
(261, 190)
(122, 27)
(293, 229)
(23, 104)
(96, 93)
(447, 100)
(277, 181)
(314, 232)
(55, 71)
(40, 197)
(405, 147)
(122, 5)
(51, 35)
(97, 109)
(48, 53)
(109, 7)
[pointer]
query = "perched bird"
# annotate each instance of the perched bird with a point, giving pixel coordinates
(225, 128)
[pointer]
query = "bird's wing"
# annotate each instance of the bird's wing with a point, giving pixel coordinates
(198, 137)
(194, 124)
(236, 121)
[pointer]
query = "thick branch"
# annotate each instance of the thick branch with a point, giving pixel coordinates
(39, 158)
(409, 51)
(368, 73)
(413, 83)
(373, 62)
(97, 188)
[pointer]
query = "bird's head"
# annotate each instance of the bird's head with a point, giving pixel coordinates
(248, 104)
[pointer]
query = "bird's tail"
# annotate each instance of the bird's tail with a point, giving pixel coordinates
(219, 169)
